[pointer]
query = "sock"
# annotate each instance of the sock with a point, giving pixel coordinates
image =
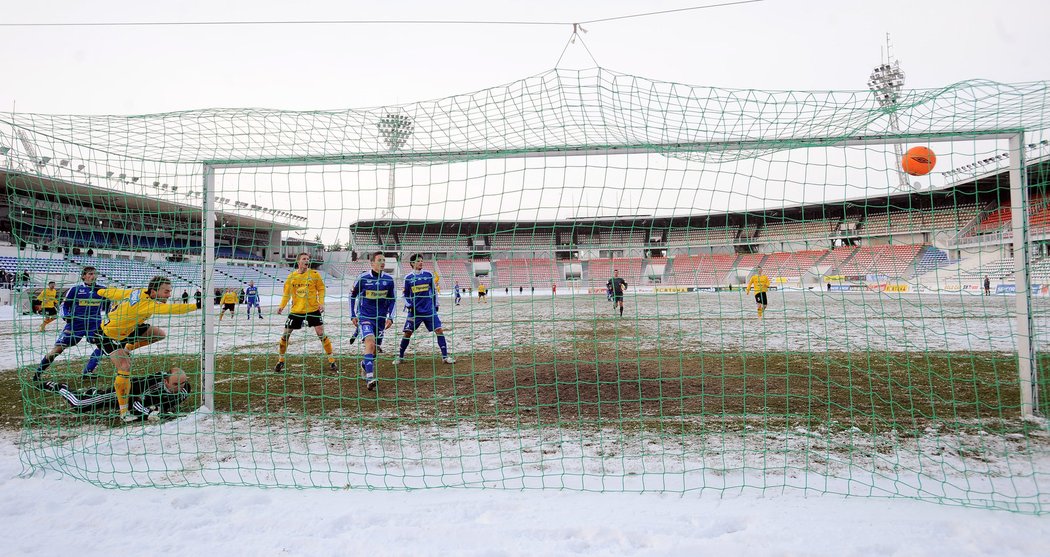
(760, 310)
(369, 365)
(122, 385)
(282, 347)
(379, 340)
(404, 346)
(443, 346)
(46, 362)
(327, 343)
(221, 315)
(92, 362)
(621, 312)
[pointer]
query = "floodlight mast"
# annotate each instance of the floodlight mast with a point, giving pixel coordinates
(887, 82)
(396, 129)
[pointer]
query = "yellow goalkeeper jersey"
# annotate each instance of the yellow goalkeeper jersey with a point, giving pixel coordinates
(133, 308)
(305, 290)
(229, 298)
(759, 282)
(48, 298)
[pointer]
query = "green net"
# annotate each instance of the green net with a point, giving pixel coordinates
(686, 289)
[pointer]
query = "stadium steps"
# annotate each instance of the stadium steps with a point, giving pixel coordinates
(169, 273)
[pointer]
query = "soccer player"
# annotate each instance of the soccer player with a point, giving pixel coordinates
(421, 302)
(760, 282)
(151, 396)
(125, 329)
(48, 301)
(82, 309)
(459, 297)
(375, 293)
(305, 288)
(251, 298)
(229, 303)
(482, 291)
(617, 286)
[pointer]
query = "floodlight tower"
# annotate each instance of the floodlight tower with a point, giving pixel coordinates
(396, 129)
(886, 82)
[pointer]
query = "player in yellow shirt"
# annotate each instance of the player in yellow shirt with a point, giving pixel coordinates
(48, 304)
(482, 292)
(760, 282)
(125, 329)
(229, 303)
(305, 288)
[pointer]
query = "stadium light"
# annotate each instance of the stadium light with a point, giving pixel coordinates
(64, 162)
(44, 160)
(156, 184)
(80, 167)
(134, 179)
(886, 82)
(396, 129)
(109, 174)
(123, 176)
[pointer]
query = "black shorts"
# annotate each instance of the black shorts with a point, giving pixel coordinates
(109, 345)
(481, 294)
(617, 298)
(295, 320)
(231, 307)
(49, 312)
(761, 298)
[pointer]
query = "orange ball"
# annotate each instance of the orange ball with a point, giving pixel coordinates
(919, 161)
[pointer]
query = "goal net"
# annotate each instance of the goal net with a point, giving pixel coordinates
(610, 283)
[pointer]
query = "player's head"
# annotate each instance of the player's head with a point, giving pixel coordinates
(616, 272)
(176, 379)
(251, 283)
(303, 261)
(758, 270)
(416, 262)
(159, 288)
(88, 275)
(378, 261)
(51, 284)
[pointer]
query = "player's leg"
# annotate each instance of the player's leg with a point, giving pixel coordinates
(325, 342)
(433, 323)
(92, 363)
(258, 308)
(292, 323)
(121, 359)
(368, 363)
(65, 339)
(144, 335)
(406, 338)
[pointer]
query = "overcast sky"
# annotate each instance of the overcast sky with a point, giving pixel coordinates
(774, 44)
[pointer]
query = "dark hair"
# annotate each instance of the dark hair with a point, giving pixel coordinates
(156, 282)
(300, 254)
(51, 282)
(87, 270)
(415, 256)
(374, 255)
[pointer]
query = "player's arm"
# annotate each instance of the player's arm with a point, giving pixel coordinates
(173, 309)
(67, 303)
(116, 294)
(320, 289)
(287, 294)
(391, 292)
(750, 283)
(434, 293)
(354, 293)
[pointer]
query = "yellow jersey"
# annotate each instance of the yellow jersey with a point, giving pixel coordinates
(229, 298)
(48, 298)
(133, 308)
(482, 288)
(306, 290)
(760, 282)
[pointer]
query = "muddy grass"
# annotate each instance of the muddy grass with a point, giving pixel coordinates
(607, 382)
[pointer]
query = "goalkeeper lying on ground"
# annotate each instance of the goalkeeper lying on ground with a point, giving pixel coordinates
(151, 395)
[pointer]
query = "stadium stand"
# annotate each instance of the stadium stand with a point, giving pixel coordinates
(888, 260)
(599, 271)
(930, 259)
(512, 273)
(792, 264)
(702, 270)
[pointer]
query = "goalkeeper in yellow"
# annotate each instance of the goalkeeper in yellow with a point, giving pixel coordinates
(125, 329)
(305, 288)
(760, 282)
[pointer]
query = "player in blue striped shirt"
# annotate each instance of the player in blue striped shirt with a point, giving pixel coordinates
(372, 309)
(421, 302)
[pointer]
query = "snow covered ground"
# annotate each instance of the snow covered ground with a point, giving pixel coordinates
(56, 515)
(724, 321)
(795, 504)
